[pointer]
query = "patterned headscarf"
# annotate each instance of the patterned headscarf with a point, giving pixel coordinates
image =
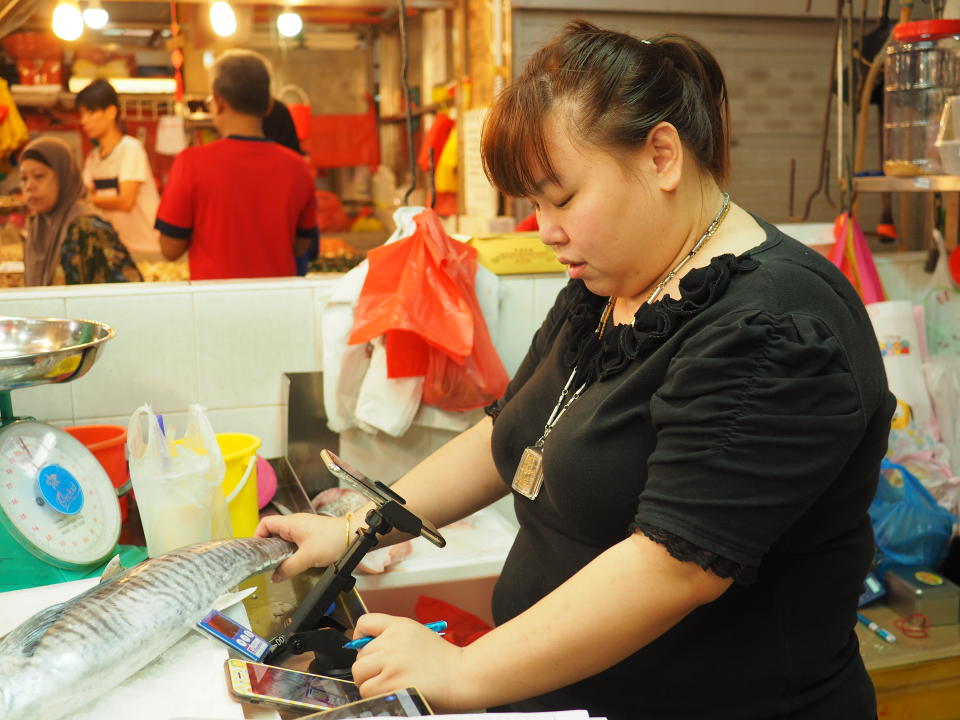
(47, 231)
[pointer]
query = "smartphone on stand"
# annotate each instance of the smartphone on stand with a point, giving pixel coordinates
(402, 703)
(284, 689)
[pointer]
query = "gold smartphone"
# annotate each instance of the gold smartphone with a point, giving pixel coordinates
(284, 689)
(402, 703)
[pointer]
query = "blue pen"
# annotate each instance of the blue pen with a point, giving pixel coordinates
(438, 627)
(885, 634)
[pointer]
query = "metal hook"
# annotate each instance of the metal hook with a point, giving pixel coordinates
(406, 99)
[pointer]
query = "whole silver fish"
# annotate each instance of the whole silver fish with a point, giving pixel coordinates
(73, 652)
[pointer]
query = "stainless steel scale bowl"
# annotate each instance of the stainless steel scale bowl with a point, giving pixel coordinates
(36, 351)
(57, 506)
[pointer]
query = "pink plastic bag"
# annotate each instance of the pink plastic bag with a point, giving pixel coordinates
(852, 255)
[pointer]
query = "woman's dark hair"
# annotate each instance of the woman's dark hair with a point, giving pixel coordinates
(616, 88)
(98, 95)
(242, 78)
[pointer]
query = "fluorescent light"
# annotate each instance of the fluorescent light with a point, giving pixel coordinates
(67, 21)
(130, 86)
(289, 24)
(223, 19)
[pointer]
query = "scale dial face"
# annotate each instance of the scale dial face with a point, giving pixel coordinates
(55, 497)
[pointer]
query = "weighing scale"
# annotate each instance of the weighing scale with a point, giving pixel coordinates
(59, 515)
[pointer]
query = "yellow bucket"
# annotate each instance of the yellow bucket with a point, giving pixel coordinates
(240, 482)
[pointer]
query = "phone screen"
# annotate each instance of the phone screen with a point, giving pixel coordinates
(265, 683)
(402, 703)
(234, 635)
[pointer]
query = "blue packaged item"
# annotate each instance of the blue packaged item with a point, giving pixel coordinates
(909, 526)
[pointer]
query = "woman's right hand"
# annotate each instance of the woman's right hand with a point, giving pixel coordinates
(319, 540)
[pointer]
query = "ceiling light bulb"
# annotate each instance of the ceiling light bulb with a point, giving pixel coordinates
(95, 16)
(223, 19)
(67, 21)
(289, 24)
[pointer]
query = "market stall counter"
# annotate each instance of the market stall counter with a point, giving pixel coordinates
(915, 677)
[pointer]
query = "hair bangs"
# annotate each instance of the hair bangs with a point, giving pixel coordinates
(512, 146)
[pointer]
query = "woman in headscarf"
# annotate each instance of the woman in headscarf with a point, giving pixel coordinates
(67, 244)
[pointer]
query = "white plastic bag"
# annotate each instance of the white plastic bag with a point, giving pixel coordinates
(895, 325)
(941, 306)
(177, 481)
(171, 135)
(943, 379)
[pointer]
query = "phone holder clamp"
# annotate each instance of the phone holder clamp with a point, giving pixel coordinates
(312, 629)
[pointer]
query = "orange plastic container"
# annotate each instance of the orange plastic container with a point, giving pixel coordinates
(108, 445)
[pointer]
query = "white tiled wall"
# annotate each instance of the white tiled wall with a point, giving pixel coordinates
(149, 360)
(224, 345)
(227, 346)
(524, 302)
(241, 335)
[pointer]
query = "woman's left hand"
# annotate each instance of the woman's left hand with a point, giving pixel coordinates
(406, 654)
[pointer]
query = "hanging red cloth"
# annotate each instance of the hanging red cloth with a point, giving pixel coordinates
(345, 140)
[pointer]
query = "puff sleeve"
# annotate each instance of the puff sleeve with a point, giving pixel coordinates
(756, 417)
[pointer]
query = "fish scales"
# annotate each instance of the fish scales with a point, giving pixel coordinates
(69, 654)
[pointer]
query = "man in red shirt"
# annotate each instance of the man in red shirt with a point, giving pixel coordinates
(243, 205)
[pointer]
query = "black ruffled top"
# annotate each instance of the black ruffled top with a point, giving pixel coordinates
(741, 426)
(653, 323)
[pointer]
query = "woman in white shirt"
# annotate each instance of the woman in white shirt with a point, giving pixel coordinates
(117, 172)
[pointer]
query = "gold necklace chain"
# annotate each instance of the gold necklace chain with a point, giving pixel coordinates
(708, 233)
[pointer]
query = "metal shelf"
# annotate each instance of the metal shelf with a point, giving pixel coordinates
(947, 184)
(920, 183)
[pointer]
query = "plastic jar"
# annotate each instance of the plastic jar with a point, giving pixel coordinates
(921, 71)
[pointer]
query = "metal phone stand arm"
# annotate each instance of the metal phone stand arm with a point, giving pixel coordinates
(302, 635)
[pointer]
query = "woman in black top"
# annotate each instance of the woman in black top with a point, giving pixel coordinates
(692, 440)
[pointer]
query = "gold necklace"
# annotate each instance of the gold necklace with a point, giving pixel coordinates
(605, 316)
(708, 233)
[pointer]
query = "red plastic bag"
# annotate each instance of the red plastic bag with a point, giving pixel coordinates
(462, 627)
(419, 295)
(331, 216)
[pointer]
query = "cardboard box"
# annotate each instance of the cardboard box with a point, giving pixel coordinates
(515, 253)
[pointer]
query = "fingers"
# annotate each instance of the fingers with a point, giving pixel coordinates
(293, 565)
(297, 529)
(375, 623)
(403, 654)
(263, 527)
(270, 525)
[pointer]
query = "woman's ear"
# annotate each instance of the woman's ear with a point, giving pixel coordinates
(665, 148)
(112, 112)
